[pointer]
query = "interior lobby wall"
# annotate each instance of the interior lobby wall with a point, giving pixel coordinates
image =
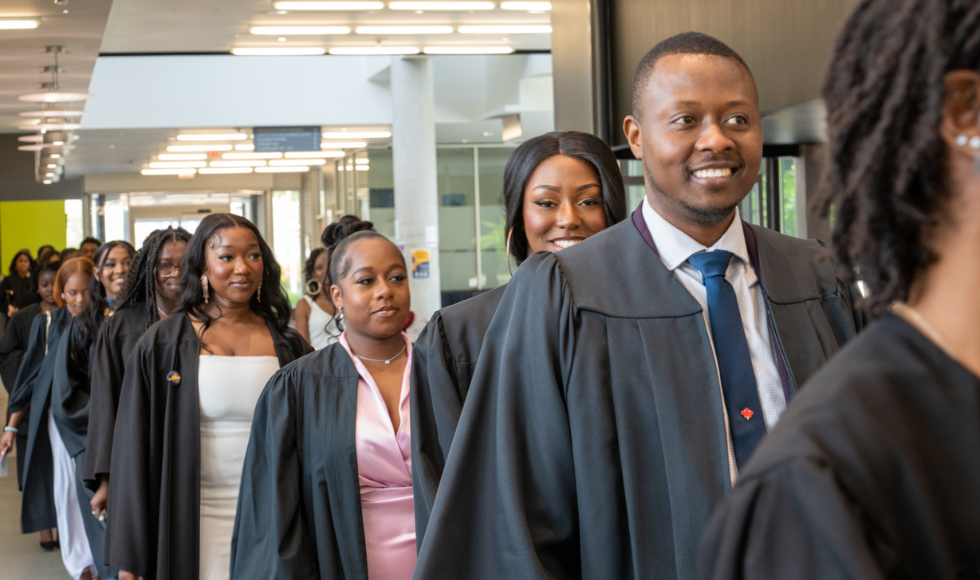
(30, 224)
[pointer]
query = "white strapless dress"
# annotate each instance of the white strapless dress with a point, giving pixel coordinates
(229, 387)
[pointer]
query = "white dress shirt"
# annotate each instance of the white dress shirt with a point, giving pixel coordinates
(675, 247)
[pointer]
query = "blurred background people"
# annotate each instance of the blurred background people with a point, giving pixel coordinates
(315, 315)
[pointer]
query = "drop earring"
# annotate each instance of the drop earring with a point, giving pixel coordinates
(204, 287)
(341, 315)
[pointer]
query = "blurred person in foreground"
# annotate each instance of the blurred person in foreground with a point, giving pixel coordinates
(874, 472)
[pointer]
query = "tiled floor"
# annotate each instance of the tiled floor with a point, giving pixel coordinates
(20, 555)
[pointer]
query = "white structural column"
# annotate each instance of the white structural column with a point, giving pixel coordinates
(416, 195)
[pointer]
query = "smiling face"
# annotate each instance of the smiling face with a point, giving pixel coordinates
(374, 293)
(75, 293)
(699, 135)
(112, 273)
(45, 287)
(234, 265)
(562, 204)
(167, 268)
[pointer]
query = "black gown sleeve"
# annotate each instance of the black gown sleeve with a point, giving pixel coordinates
(436, 407)
(795, 521)
(107, 368)
(13, 347)
(507, 505)
(20, 395)
(271, 539)
(70, 390)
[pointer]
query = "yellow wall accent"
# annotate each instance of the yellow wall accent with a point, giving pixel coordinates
(30, 224)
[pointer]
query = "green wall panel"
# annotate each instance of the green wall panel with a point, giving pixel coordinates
(30, 224)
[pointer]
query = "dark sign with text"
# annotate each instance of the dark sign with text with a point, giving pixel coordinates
(272, 139)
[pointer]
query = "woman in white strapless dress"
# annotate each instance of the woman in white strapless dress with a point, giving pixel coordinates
(315, 314)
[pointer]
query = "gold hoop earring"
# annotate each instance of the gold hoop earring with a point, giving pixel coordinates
(313, 287)
(204, 287)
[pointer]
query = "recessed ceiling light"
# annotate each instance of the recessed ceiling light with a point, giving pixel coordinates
(293, 162)
(176, 164)
(529, 6)
(216, 170)
(180, 171)
(197, 148)
(239, 163)
(356, 135)
(373, 50)
(212, 137)
(295, 169)
(362, 168)
(362, 161)
(314, 154)
(245, 147)
(441, 5)
(18, 24)
(279, 51)
(342, 145)
(251, 156)
(468, 50)
(506, 29)
(46, 182)
(182, 156)
(281, 39)
(52, 113)
(299, 30)
(55, 97)
(346, 6)
(404, 29)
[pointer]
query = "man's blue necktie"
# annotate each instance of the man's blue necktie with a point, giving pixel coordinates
(734, 361)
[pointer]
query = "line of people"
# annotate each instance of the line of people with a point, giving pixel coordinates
(607, 413)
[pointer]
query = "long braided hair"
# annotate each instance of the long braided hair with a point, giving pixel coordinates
(91, 318)
(886, 178)
(140, 284)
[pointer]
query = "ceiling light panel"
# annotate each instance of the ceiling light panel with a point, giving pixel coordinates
(56, 97)
(468, 50)
(362, 161)
(251, 156)
(299, 30)
(198, 148)
(240, 163)
(526, 6)
(315, 154)
(52, 113)
(436, 6)
(373, 50)
(506, 29)
(212, 137)
(245, 147)
(296, 169)
(386, 30)
(224, 170)
(176, 164)
(332, 6)
(182, 171)
(279, 51)
(18, 24)
(356, 135)
(182, 156)
(291, 162)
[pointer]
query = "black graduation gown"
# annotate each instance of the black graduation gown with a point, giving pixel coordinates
(33, 387)
(592, 443)
(443, 360)
(116, 340)
(18, 292)
(155, 489)
(12, 349)
(874, 472)
(70, 394)
(299, 510)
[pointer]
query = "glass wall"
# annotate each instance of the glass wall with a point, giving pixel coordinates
(286, 241)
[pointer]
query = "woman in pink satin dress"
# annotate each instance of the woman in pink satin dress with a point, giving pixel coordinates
(327, 486)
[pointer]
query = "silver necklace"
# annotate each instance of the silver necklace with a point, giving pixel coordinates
(388, 361)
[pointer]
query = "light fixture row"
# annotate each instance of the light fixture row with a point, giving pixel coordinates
(400, 30)
(221, 147)
(371, 50)
(225, 170)
(414, 6)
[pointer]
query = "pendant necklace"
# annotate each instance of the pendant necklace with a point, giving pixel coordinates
(386, 361)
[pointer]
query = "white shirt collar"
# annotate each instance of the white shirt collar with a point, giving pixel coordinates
(675, 247)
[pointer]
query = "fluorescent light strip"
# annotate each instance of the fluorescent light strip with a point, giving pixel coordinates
(463, 6)
(52, 113)
(245, 147)
(182, 156)
(243, 163)
(373, 50)
(329, 5)
(196, 148)
(362, 161)
(299, 30)
(356, 134)
(212, 137)
(251, 156)
(279, 51)
(295, 169)
(176, 164)
(528, 6)
(404, 30)
(468, 50)
(184, 171)
(342, 144)
(294, 162)
(18, 24)
(221, 170)
(506, 29)
(315, 154)
(362, 168)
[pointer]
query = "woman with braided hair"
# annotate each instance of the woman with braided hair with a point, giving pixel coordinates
(873, 472)
(149, 295)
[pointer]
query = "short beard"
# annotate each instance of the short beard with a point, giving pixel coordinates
(706, 216)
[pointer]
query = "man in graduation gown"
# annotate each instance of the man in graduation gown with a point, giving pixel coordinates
(624, 380)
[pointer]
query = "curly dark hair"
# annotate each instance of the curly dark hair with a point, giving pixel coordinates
(310, 264)
(526, 158)
(12, 270)
(140, 284)
(274, 304)
(886, 178)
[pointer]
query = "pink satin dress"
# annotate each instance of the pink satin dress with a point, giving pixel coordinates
(384, 468)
